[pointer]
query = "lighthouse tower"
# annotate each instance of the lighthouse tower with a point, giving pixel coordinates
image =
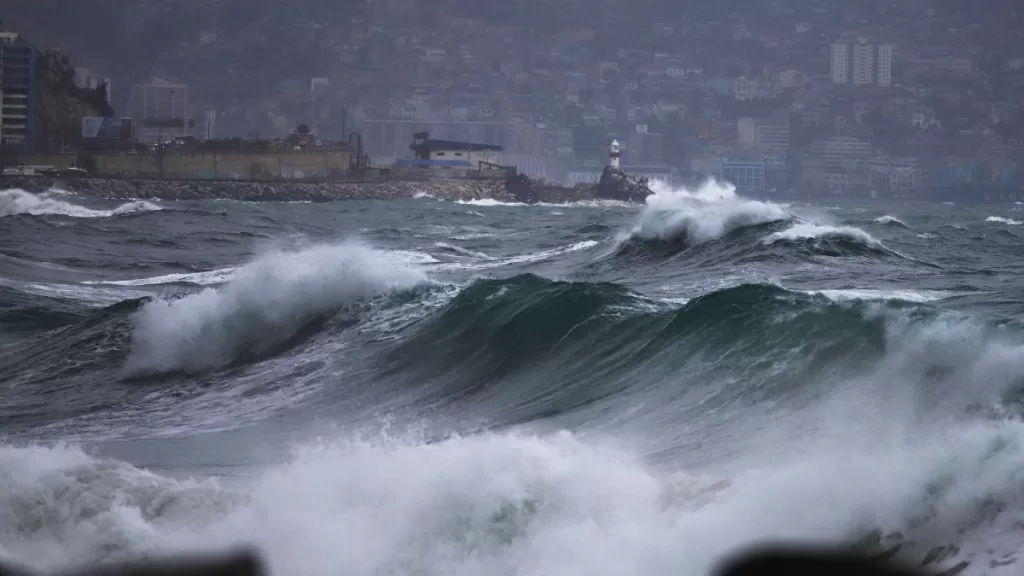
(613, 155)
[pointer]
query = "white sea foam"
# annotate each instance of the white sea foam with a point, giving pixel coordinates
(506, 503)
(810, 230)
(1002, 220)
(488, 202)
(883, 294)
(891, 220)
(706, 213)
(14, 202)
(520, 259)
(205, 278)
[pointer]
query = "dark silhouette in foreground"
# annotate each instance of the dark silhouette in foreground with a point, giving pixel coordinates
(759, 562)
(768, 561)
(234, 563)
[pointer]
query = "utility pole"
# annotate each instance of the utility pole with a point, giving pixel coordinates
(344, 121)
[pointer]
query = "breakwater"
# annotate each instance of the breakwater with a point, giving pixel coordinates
(125, 189)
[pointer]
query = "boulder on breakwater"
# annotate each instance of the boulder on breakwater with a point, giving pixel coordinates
(128, 189)
(614, 185)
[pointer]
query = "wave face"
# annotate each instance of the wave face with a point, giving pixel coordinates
(430, 387)
(264, 305)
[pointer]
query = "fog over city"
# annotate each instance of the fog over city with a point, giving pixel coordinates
(817, 94)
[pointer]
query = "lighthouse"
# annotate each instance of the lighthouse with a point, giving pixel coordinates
(613, 155)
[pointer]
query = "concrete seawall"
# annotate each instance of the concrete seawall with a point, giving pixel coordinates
(225, 165)
(316, 164)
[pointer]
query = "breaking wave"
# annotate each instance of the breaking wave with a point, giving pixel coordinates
(15, 202)
(263, 305)
(496, 503)
(891, 221)
(1002, 220)
(710, 212)
(811, 231)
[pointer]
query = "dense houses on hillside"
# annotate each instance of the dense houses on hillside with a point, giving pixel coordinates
(776, 99)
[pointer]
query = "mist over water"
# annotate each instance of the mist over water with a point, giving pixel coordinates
(430, 387)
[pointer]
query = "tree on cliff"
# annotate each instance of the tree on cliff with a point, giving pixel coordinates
(100, 100)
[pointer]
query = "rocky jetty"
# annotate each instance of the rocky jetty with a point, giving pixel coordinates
(614, 185)
(513, 188)
(125, 189)
(617, 185)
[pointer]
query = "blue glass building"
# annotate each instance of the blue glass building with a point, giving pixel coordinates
(747, 175)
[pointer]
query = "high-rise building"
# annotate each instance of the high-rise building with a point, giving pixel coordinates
(885, 64)
(862, 63)
(840, 63)
(862, 71)
(17, 92)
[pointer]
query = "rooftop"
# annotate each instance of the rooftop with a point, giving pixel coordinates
(434, 145)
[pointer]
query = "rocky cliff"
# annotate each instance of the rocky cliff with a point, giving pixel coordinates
(61, 105)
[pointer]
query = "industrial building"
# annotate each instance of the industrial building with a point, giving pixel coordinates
(448, 153)
(159, 111)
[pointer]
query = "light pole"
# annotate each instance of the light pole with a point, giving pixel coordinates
(172, 113)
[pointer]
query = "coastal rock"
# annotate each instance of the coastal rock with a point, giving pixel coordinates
(614, 185)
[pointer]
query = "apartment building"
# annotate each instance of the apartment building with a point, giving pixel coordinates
(841, 152)
(884, 75)
(840, 63)
(770, 135)
(861, 63)
(17, 92)
(862, 71)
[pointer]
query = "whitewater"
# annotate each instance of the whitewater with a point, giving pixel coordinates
(423, 387)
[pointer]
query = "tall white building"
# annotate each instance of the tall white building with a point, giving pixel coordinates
(885, 64)
(863, 62)
(840, 63)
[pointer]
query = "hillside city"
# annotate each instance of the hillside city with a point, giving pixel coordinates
(772, 95)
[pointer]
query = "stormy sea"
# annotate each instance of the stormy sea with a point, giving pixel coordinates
(428, 387)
